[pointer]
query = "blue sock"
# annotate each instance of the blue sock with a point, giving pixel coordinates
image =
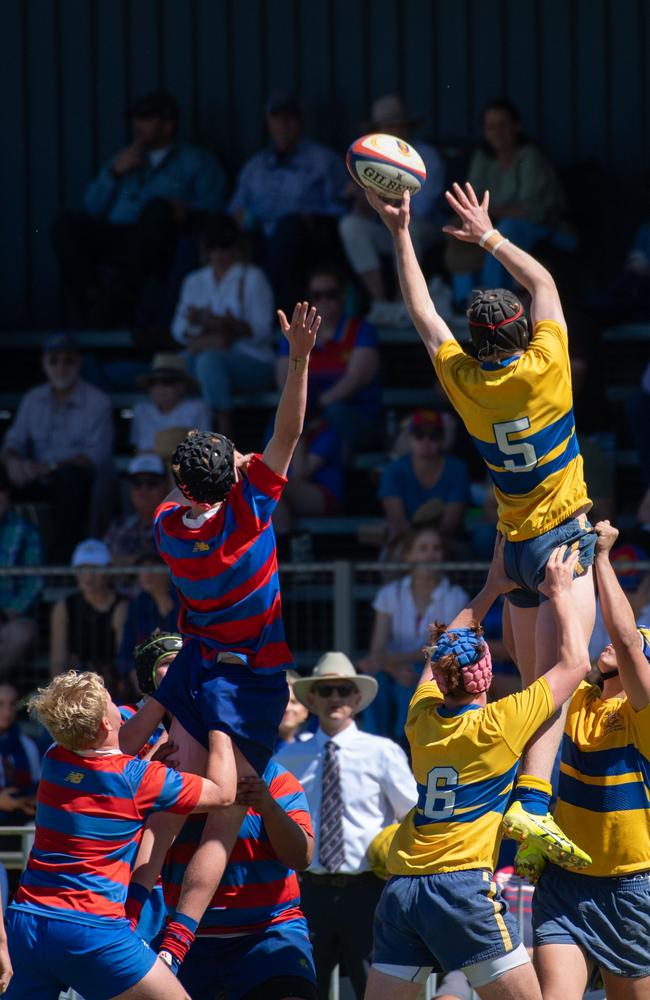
(533, 800)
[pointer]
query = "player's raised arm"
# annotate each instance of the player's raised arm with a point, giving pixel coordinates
(290, 415)
(573, 664)
(476, 227)
(430, 325)
(618, 617)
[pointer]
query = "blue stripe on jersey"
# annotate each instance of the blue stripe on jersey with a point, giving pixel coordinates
(601, 763)
(73, 824)
(93, 782)
(520, 483)
(251, 916)
(258, 549)
(254, 603)
(544, 441)
(489, 795)
(603, 798)
(115, 892)
(239, 873)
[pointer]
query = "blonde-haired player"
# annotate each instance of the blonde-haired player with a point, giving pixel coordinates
(91, 805)
(515, 400)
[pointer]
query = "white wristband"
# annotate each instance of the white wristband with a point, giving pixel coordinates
(486, 235)
(493, 251)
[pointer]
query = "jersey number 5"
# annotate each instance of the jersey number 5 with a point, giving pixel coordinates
(441, 795)
(522, 448)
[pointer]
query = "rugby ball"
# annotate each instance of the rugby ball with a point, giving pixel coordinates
(386, 164)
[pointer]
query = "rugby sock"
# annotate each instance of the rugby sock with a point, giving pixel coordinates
(178, 936)
(136, 897)
(534, 794)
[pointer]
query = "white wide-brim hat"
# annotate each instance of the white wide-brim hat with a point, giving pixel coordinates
(336, 667)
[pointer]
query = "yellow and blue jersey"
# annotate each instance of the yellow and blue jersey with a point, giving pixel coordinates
(520, 417)
(604, 790)
(464, 761)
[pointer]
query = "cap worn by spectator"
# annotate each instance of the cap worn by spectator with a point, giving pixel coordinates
(167, 367)
(158, 104)
(391, 110)
(426, 420)
(148, 464)
(61, 342)
(91, 552)
(283, 103)
(336, 666)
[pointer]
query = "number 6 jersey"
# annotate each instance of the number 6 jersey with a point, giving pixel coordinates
(464, 760)
(519, 413)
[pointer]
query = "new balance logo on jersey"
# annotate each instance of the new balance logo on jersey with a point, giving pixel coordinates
(75, 777)
(201, 547)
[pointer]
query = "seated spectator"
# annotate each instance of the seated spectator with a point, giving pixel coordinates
(20, 767)
(423, 474)
(315, 477)
(295, 717)
(526, 200)
(225, 319)
(404, 610)
(365, 238)
(154, 607)
(289, 195)
(59, 447)
(172, 402)
(143, 200)
(131, 535)
(20, 545)
(344, 382)
(86, 627)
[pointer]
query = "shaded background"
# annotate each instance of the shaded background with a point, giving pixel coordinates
(577, 69)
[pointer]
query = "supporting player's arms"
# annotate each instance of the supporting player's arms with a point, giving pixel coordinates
(538, 282)
(290, 415)
(573, 656)
(136, 731)
(618, 617)
(293, 846)
(212, 797)
(431, 327)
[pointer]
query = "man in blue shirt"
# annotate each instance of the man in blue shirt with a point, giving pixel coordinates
(145, 198)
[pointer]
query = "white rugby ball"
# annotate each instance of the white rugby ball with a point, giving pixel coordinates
(386, 164)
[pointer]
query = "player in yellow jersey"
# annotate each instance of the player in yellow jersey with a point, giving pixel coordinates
(602, 916)
(516, 402)
(442, 910)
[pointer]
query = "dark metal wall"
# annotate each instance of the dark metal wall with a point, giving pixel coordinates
(577, 69)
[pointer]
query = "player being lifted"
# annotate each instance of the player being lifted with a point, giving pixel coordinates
(226, 688)
(516, 402)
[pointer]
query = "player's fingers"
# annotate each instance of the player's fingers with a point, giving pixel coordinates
(315, 327)
(453, 201)
(451, 230)
(485, 204)
(460, 195)
(572, 559)
(284, 323)
(471, 194)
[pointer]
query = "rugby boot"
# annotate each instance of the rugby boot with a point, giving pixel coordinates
(544, 833)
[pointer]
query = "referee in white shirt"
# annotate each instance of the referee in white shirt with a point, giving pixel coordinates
(355, 784)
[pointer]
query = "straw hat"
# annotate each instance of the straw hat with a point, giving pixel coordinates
(336, 666)
(170, 366)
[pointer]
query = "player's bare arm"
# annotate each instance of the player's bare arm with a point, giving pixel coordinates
(292, 845)
(476, 227)
(618, 617)
(573, 655)
(430, 325)
(136, 731)
(289, 418)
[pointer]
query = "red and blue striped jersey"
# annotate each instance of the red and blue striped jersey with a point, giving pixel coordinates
(225, 569)
(257, 889)
(127, 712)
(90, 812)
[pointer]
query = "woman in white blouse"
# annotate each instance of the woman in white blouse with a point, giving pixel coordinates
(404, 609)
(224, 319)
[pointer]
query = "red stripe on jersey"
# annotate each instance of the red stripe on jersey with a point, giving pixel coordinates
(243, 897)
(68, 899)
(291, 913)
(237, 594)
(114, 871)
(234, 633)
(79, 847)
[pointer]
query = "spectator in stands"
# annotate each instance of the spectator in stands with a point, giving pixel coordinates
(355, 784)
(59, 447)
(143, 200)
(526, 200)
(86, 626)
(423, 474)
(155, 606)
(404, 610)
(20, 767)
(289, 195)
(224, 318)
(294, 718)
(366, 240)
(172, 402)
(129, 536)
(20, 546)
(344, 382)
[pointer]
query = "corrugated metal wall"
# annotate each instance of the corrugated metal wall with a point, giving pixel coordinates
(577, 69)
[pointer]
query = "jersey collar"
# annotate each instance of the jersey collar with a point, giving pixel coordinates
(493, 366)
(449, 713)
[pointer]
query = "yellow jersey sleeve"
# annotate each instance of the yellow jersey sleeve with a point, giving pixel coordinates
(520, 715)
(550, 340)
(452, 365)
(426, 696)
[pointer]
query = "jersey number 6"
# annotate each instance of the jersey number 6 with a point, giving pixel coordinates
(507, 447)
(441, 798)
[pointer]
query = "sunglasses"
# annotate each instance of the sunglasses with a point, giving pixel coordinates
(330, 294)
(342, 690)
(165, 380)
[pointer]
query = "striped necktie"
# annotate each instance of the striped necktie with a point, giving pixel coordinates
(331, 852)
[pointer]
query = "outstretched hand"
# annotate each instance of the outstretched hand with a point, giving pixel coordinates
(395, 215)
(559, 571)
(497, 576)
(301, 332)
(607, 535)
(472, 213)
